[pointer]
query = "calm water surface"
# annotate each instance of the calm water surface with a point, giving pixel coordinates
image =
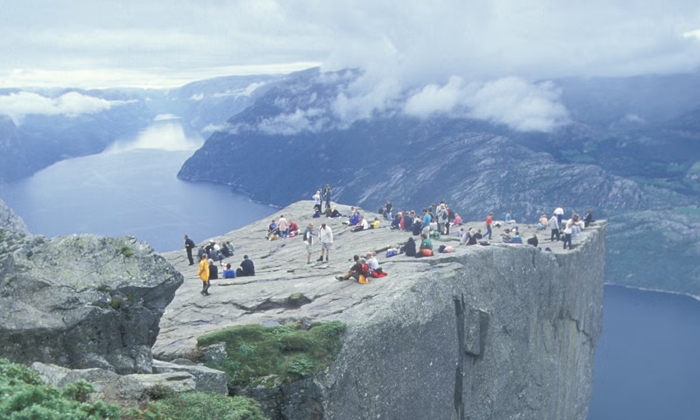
(131, 189)
(648, 359)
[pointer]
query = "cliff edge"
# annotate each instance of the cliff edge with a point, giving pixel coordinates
(494, 332)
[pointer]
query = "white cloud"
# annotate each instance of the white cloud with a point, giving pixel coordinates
(168, 42)
(692, 34)
(310, 120)
(510, 101)
(70, 104)
(519, 105)
(434, 98)
(246, 91)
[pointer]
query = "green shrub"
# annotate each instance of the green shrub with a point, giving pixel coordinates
(209, 406)
(78, 391)
(289, 351)
(24, 397)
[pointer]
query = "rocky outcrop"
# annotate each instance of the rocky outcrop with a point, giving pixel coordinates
(9, 221)
(496, 332)
(83, 301)
(206, 380)
(127, 390)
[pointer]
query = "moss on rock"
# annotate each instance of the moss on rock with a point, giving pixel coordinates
(290, 352)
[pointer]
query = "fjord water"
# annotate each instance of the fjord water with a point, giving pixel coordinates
(648, 358)
(647, 364)
(132, 189)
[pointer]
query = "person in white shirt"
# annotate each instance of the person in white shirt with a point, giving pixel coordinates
(325, 236)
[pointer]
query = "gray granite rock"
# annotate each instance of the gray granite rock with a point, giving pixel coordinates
(206, 379)
(495, 332)
(10, 221)
(83, 301)
(127, 390)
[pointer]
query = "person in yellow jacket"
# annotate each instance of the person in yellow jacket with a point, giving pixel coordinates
(204, 274)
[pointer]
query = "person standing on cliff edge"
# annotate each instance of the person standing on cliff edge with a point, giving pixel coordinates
(204, 274)
(327, 195)
(189, 246)
(325, 236)
(308, 241)
(489, 221)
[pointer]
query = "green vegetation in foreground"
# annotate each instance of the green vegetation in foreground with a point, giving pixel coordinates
(24, 397)
(290, 351)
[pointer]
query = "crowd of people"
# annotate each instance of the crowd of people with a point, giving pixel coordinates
(430, 223)
(211, 254)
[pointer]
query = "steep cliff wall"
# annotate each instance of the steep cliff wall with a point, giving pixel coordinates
(498, 332)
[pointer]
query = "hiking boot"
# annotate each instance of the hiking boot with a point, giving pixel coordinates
(339, 278)
(320, 259)
(326, 259)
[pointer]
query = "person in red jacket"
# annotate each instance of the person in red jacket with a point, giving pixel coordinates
(489, 221)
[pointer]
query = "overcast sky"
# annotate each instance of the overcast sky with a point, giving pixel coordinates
(95, 43)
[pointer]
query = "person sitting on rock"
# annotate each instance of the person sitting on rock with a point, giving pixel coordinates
(426, 246)
(407, 222)
(396, 223)
(293, 228)
(225, 250)
(374, 269)
(361, 225)
(417, 225)
(458, 220)
(409, 247)
(543, 223)
(355, 271)
(375, 224)
(516, 239)
(213, 270)
(203, 274)
(272, 229)
(328, 212)
(335, 213)
(228, 273)
(533, 241)
(247, 268)
(509, 217)
(354, 218)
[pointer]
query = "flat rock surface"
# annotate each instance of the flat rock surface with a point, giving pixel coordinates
(282, 271)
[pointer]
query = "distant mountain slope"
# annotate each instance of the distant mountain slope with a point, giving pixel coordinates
(630, 152)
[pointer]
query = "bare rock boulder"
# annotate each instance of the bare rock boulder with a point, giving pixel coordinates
(82, 301)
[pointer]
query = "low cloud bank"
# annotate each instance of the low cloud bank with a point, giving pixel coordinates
(72, 104)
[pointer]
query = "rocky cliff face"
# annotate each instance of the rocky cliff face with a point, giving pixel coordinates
(80, 301)
(10, 221)
(497, 332)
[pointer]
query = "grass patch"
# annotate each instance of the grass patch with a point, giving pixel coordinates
(209, 406)
(24, 396)
(289, 351)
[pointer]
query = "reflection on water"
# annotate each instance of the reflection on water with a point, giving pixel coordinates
(131, 190)
(166, 133)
